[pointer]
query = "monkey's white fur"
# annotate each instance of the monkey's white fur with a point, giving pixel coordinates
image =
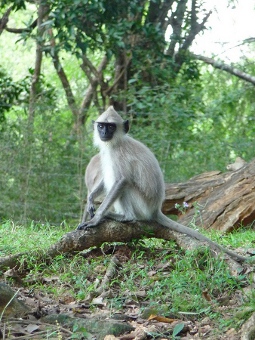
(133, 181)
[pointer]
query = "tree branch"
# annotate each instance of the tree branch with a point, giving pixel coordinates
(194, 30)
(22, 30)
(165, 7)
(94, 81)
(87, 64)
(113, 231)
(176, 21)
(118, 77)
(38, 61)
(63, 78)
(4, 20)
(224, 67)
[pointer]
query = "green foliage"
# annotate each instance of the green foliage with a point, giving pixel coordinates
(192, 118)
(17, 4)
(84, 25)
(42, 166)
(12, 93)
(196, 124)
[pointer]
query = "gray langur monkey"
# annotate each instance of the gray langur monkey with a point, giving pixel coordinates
(132, 180)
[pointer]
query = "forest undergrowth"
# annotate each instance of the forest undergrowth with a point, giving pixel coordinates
(171, 293)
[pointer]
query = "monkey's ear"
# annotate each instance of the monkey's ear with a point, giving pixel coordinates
(126, 126)
(93, 123)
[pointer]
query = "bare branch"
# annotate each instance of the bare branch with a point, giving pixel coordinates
(65, 83)
(88, 64)
(194, 30)
(94, 82)
(224, 67)
(4, 20)
(22, 30)
(63, 78)
(120, 74)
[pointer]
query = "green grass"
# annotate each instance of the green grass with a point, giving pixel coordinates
(154, 272)
(17, 238)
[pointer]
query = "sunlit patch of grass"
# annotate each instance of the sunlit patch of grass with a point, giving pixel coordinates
(243, 237)
(16, 238)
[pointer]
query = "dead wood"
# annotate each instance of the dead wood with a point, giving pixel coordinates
(110, 272)
(112, 231)
(222, 201)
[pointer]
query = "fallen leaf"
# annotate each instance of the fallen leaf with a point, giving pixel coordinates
(98, 301)
(206, 295)
(50, 279)
(31, 328)
(151, 273)
(161, 318)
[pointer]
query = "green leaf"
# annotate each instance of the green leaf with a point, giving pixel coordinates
(178, 328)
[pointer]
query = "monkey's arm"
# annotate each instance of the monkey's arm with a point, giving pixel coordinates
(92, 196)
(89, 206)
(107, 202)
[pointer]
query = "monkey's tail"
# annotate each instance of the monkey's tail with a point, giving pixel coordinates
(175, 226)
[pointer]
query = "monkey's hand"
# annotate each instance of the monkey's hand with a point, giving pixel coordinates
(82, 226)
(91, 210)
(90, 224)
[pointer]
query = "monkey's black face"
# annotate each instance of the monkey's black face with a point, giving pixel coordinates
(106, 131)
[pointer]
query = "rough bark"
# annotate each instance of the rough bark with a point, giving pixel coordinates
(42, 9)
(112, 231)
(222, 201)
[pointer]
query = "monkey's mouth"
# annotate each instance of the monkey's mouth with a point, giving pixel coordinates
(105, 139)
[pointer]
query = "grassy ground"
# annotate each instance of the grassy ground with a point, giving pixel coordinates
(153, 276)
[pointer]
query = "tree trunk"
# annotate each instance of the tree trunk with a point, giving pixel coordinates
(222, 201)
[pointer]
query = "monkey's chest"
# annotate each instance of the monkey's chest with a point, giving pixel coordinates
(110, 173)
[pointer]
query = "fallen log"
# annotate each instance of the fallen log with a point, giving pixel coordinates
(222, 201)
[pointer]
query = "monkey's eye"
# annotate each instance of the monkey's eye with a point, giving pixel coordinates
(100, 126)
(112, 127)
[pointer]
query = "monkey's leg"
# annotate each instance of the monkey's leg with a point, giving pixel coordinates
(107, 202)
(118, 217)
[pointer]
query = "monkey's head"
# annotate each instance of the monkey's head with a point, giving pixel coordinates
(109, 127)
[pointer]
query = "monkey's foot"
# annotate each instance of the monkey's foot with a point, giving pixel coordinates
(84, 226)
(90, 224)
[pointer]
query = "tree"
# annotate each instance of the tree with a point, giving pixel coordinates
(133, 54)
(130, 36)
